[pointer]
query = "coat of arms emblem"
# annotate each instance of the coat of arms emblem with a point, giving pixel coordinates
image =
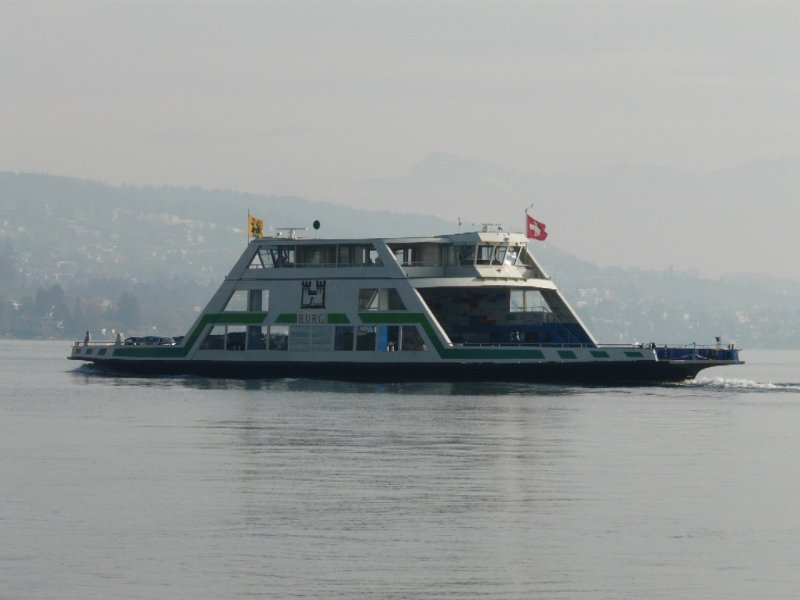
(313, 295)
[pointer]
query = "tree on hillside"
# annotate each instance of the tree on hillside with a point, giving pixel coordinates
(128, 312)
(79, 322)
(51, 304)
(8, 269)
(25, 321)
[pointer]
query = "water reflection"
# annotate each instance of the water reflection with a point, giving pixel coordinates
(284, 488)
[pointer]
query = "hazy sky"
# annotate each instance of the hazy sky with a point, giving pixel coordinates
(309, 97)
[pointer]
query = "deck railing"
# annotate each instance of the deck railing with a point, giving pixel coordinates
(652, 346)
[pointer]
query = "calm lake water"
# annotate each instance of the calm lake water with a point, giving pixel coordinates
(118, 487)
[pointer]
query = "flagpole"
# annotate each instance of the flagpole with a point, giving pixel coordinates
(247, 229)
(526, 219)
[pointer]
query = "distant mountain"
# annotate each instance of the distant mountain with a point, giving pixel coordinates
(64, 227)
(736, 220)
(75, 254)
(81, 253)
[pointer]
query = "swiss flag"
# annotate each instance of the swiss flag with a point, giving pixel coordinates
(534, 229)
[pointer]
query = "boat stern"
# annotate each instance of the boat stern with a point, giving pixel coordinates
(90, 352)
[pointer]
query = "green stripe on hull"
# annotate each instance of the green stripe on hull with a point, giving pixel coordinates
(404, 318)
(243, 318)
(444, 352)
(237, 318)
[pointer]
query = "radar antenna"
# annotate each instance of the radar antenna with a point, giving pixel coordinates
(292, 235)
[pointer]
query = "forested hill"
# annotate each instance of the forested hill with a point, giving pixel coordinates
(63, 227)
(79, 254)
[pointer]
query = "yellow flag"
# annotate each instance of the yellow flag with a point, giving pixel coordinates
(255, 227)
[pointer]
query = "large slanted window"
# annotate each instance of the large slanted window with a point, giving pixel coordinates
(527, 301)
(257, 262)
(379, 299)
(248, 300)
(411, 340)
(525, 259)
(237, 302)
(215, 340)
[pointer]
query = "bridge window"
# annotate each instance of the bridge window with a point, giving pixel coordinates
(511, 255)
(491, 254)
(462, 254)
(485, 254)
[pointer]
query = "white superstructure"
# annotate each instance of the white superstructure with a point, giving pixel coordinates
(460, 306)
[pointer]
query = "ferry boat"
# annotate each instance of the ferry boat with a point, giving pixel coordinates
(473, 306)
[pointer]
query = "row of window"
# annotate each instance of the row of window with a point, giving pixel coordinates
(370, 338)
(380, 299)
(368, 299)
(416, 255)
(323, 255)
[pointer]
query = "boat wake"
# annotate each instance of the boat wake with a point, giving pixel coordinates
(727, 383)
